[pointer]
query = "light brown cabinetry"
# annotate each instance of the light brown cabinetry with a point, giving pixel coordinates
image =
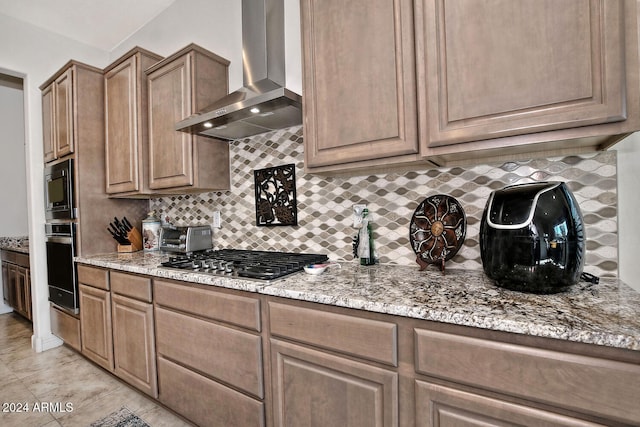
(545, 71)
(7, 290)
(16, 282)
(351, 392)
(95, 315)
(262, 360)
(178, 87)
(83, 121)
(62, 108)
(66, 326)
(442, 406)
(435, 82)
(359, 82)
(58, 116)
(589, 386)
(134, 349)
(116, 320)
(126, 129)
(200, 347)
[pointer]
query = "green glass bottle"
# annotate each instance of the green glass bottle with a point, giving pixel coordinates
(365, 246)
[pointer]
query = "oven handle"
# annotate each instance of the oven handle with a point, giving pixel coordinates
(68, 240)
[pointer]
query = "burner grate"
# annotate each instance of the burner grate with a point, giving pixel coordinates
(248, 264)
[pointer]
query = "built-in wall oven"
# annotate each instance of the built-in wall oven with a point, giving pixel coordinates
(58, 191)
(61, 270)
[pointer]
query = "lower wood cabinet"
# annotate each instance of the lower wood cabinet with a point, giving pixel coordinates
(312, 388)
(223, 357)
(134, 350)
(204, 401)
(442, 406)
(95, 325)
(16, 282)
(200, 347)
(66, 327)
(593, 386)
(117, 328)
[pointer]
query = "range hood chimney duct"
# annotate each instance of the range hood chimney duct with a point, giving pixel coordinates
(263, 104)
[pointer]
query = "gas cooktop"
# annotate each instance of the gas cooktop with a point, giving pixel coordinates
(263, 266)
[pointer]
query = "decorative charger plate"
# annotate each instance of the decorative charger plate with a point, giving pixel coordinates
(437, 230)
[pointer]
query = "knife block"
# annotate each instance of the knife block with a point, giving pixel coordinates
(135, 242)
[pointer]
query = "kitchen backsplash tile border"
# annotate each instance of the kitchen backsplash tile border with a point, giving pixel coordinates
(325, 203)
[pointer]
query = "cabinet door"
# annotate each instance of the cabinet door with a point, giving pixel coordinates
(495, 69)
(133, 343)
(170, 151)
(23, 292)
(359, 80)
(312, 388)
(95, 325)
(441, 406)
(121, 142)
(13, 285)
(48, 123)
(6, 284)
(63, 113)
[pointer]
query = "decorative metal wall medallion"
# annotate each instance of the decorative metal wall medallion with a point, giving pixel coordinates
(276, 196)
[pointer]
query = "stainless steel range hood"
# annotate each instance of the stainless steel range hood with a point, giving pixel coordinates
(263, 104)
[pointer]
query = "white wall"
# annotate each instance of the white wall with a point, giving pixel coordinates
(13, 175)
(628, 208)
(215, 25)
(35, 55)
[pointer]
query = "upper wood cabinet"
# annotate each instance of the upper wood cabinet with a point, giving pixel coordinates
(180, 86)
(126, 130)
(359, 81)
(483, 80)
(59, 112)
(493, 70)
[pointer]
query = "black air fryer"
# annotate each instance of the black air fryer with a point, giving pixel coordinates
(532, 238)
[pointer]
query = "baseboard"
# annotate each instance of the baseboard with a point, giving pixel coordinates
(40, 344)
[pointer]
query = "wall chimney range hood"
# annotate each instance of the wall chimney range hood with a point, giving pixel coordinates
(263, 104)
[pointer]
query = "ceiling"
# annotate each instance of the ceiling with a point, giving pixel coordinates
(103, 24)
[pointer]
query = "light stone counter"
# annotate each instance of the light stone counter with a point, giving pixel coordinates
(605, 314)
(16, 244)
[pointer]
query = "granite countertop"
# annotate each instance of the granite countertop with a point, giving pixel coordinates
(16, 244)
(605, 314)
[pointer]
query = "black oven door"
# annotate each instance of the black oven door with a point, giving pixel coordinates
(61, 272)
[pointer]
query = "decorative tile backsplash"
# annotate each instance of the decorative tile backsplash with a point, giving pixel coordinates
(325, 203)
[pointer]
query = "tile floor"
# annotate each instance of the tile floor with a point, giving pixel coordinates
(61, 377)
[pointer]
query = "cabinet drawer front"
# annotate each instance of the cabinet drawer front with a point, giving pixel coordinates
(22, 259)
(229, 355)
(452, 407)
(369, 339)
(93, 276)
(234, 309)
(206, 402)
(15, 258)
(66, 327)
(138, 287)
(590, 385)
